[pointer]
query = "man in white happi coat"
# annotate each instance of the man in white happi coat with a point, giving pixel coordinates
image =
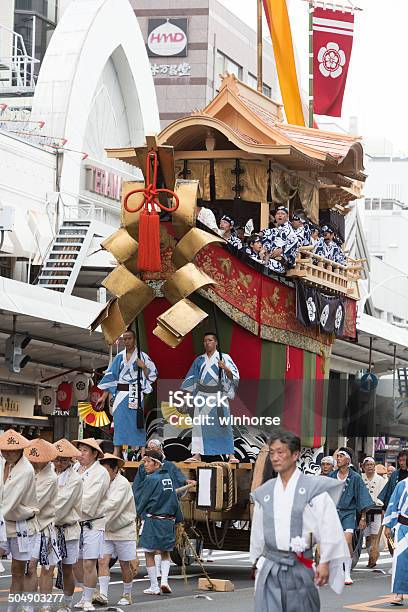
(375, 484)
(40, 454)
(67, 514)
(95, 480)
(20, 508)
(120, 531)
(293, 512)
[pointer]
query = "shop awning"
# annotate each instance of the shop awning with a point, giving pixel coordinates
(347, 356)
(58, 325)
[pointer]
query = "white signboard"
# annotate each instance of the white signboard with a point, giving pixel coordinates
(167, 37)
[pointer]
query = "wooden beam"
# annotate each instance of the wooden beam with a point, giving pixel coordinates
(264, 220)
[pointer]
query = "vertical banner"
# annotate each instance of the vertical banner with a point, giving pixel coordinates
(332, 45)
(276, 12)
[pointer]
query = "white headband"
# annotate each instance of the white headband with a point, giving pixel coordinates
(328, 459)
(369, 459)
(344, 454)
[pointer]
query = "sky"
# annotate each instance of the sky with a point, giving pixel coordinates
(377, 87)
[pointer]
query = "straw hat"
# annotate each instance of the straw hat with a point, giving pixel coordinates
(380, 469)
(64, 448)
(12, 440)
(89, 442)
(40, 451)
(120, 461)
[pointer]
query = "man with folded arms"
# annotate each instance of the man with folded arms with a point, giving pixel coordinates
(40, 454)
(120, 531)
(20, 508)
(96, 481)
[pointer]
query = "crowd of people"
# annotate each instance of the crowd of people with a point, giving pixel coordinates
(382, 511)
(66, 507)
(297, 520)
(66, 510)
(277, 246)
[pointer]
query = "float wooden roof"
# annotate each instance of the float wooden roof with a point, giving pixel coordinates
(241, 118)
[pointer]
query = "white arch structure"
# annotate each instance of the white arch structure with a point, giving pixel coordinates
(90, 34)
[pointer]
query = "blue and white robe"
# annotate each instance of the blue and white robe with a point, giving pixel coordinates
(303, 234)
(125, 403)
(253, 254)
(398, 505)
(330, 250)
(282, 237)
(234, 241)
(354, 498)
(211, 438)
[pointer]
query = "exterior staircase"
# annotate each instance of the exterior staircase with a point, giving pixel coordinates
(403, 381)
(17, 70)
(67, 255)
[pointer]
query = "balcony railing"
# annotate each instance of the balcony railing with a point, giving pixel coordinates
(327, 274)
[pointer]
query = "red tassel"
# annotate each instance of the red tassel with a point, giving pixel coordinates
(148, 256)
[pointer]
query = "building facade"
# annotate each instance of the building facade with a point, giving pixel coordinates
(190, 45)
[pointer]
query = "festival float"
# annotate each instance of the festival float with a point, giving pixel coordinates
(176, 279)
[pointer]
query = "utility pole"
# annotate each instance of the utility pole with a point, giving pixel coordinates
(259, 47)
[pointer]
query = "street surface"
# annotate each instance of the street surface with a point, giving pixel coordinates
(370, 591)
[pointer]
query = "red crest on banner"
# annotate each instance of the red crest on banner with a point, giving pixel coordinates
(64, 395)
(332, 45)
(94, 394)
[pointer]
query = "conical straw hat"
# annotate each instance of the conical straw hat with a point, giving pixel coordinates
(89, 442)
(120, 461)
(40, 451)
(12, 440)
(64, 448)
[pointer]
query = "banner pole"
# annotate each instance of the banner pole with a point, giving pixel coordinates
(259, 47)
(311, 65)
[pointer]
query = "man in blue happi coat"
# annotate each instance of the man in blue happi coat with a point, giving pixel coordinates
(328, 248)
(395, 478)
(396, 521)
(281, 242)
(177, 476)
(157, 505)
(121, 379)
(354, 499)
(212, 382)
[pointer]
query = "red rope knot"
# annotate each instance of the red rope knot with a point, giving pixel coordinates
(148, 256)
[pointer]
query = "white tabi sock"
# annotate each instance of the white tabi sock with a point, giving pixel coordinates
(104, 585)
(347, 567)
(152, 573)
(158, 564)
(88, 593)
(68, 600)
(127, 587)
(165, 568)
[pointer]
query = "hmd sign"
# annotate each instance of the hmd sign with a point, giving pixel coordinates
(167, 38)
